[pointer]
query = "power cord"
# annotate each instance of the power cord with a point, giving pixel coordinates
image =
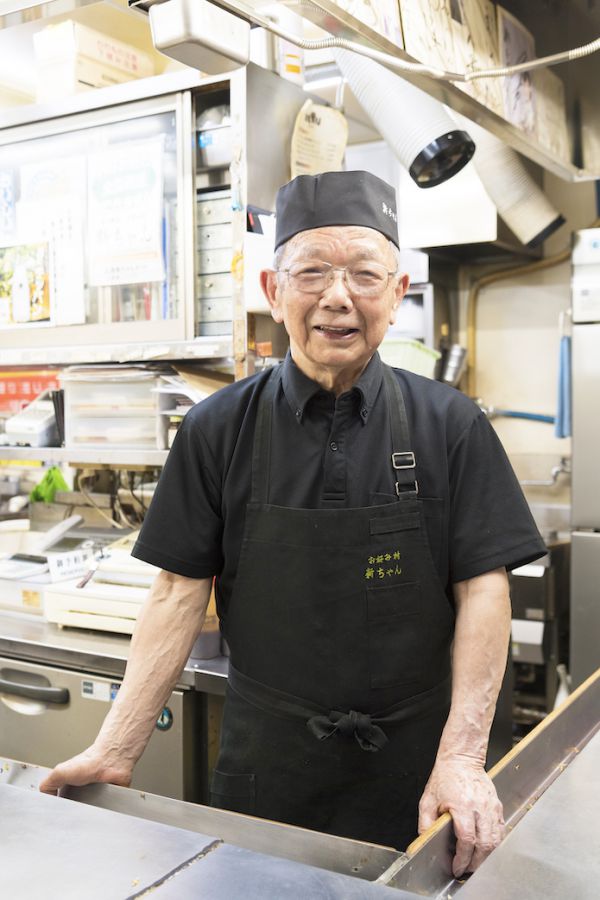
(86, 474)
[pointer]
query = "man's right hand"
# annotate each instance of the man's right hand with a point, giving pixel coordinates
(88, 767)
(167, 626)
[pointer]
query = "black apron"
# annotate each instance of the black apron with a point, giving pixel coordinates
(340, 632)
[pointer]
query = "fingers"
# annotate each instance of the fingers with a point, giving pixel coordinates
(465, 831)
(79, 770)
(476, 837)
(428, 812)
(54, 781)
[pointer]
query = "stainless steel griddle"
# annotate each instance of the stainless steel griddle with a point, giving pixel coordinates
(112, 843)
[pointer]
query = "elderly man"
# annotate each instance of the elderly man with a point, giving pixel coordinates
(359, 521)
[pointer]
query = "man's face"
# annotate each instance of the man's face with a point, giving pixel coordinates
(337, 330)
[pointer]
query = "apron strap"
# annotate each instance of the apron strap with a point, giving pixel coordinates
(261, 452)
(324, 724)
(403, 458)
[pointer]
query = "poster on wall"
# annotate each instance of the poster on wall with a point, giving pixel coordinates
(125, 213)
(7, 205)
(51, 207)
(427, 31)
(475, 39)
(551, 113)
(383, 16)
(517, 46)
(24, 285)
(318, 141)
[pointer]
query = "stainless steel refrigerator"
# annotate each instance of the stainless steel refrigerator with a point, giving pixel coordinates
(585, 516)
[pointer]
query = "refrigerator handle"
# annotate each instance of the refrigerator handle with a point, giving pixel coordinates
(32, 692)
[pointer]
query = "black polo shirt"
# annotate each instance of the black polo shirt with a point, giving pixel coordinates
(330, 451)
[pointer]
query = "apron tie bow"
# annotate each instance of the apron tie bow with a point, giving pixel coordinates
(369, 736)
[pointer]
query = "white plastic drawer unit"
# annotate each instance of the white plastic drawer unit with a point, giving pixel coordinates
(107, 433)
(124, 398)
(217, 310)
(215, 285)
(212, 237)
(214, 212)
(110, 406)
(210, 261)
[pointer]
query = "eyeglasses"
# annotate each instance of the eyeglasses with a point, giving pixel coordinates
(365, 278)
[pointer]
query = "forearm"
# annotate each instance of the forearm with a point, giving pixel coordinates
(168, 624)
(478, 664)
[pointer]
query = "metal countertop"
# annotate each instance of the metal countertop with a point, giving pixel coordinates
(83, 851)
(554, 852)
(32, 638)
(98, 842)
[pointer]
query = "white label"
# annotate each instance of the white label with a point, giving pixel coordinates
(95, 690)
(69, 564)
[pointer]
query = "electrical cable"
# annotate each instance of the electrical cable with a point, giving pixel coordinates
(92, 502)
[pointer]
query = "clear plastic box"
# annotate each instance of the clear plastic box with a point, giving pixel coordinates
(109, 407)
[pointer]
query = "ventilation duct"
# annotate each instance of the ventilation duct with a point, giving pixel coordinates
(423, 136)
(520, 202)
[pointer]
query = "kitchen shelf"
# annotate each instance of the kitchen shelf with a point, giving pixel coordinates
(328, 16)
(97, 456)
(200, 348)
(339, 23)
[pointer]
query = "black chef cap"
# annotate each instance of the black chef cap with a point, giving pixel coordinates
(336, 198)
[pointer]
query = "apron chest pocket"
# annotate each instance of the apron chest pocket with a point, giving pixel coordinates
(395, 634)
(234, 792)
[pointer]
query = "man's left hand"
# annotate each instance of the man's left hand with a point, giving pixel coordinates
(462, 787)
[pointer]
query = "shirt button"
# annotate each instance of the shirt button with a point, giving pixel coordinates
(298, 413)
(333, 446)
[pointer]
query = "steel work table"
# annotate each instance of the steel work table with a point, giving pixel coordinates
(89, 846)
(82, 851)
(549, 785)
(554, 852)
(31, 638)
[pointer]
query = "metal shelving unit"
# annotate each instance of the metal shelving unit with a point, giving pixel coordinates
(201, 349)
(326, 14)
(76, 458)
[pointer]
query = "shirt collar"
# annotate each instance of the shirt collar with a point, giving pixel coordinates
(299, 388)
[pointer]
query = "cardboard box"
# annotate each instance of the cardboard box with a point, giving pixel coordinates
(71, 57)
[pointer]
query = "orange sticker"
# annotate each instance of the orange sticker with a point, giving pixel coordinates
(31, 598)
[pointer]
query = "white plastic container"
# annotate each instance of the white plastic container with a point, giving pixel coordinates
(108, 407)
(215, 146)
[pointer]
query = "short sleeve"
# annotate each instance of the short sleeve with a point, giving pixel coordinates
(490, 522)
(182, 530)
